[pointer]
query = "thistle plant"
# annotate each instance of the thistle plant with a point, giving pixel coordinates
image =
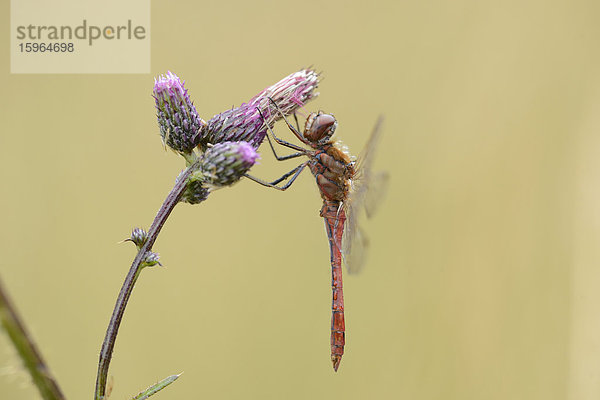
(217, 154)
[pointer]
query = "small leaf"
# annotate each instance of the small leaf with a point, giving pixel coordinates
(157, 387)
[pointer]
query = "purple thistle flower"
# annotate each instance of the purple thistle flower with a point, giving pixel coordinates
(225, 163)
(244, 123)
(178, 119)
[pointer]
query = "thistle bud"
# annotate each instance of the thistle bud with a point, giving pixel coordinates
(179, 123)
(195, 192)
(138, 237)
(244, 123)
(225, 163)
(151, 260)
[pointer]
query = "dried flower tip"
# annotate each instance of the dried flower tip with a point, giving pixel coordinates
(179, 122)
(225, 163)
(290, 93)
(244, 123)
(138, 237)
(151, 260)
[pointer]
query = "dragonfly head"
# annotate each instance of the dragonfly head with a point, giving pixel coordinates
(319, 127)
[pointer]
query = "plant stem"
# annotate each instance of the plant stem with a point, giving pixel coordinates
(27, 350)
(136, 267)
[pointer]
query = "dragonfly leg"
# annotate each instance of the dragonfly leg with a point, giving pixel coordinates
(297, 123)
(295, 172)
(287, 157)
(278, 140)
(294, 130)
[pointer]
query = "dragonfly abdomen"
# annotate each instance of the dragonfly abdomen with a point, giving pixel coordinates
(335, 218)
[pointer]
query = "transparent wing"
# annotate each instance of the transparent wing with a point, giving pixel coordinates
(366, 193)
(354, 242)
(377, 189)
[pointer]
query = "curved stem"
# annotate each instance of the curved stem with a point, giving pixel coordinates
(136, 267)
(40, 374)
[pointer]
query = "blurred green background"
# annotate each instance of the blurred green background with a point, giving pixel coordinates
(483, 275)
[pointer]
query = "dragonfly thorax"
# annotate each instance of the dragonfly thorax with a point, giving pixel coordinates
(319, 128)
(333, 170)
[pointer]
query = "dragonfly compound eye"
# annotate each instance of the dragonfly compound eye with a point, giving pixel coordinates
(320, 127)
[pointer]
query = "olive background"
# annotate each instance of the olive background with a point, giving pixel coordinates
(483, 274)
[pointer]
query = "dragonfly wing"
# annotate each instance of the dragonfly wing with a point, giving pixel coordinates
(367, 191)
(354, 247)
(377, 188)
(369, 188)
(367, 155)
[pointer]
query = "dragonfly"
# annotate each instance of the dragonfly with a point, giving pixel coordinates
(346, 186)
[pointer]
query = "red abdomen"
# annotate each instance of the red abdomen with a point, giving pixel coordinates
(335, 218)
